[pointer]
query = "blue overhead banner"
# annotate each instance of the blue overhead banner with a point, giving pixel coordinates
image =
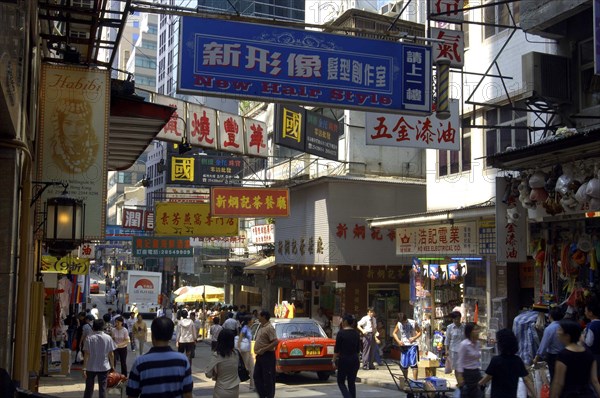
(268, 63)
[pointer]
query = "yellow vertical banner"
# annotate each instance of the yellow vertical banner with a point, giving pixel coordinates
(191, 219)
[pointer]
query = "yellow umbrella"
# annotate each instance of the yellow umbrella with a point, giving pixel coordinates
(182, 290)
(209, 293)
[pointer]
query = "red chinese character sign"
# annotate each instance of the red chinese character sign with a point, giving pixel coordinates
(443, 239)
(262, 234)
(452, 47)
(202, 123)
(175, 127)
(385, 129)
(446, 10)
(250, 202)
(256, 138)
(231, 133)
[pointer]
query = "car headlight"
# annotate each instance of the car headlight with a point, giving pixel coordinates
(330, 349)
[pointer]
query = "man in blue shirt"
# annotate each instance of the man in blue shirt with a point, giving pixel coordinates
(161, 371)
(591, 334)
(550, 345)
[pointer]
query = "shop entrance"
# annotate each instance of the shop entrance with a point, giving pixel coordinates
(385, 299)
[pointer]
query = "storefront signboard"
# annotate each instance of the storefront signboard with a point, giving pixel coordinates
(250, 202)
(65, 265)
(428, 132)
(442, 239)
(262, 234)
(446, 10)
(191, 220)
(197, 170)
(145, 246)
(280, 64)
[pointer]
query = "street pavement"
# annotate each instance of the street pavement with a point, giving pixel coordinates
(372, 383)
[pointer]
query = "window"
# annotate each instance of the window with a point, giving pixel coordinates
(589, 85)
(453, 162)
(150, 45)
(498, 14)
(136, 24)
(152, 29)
(145, 62)
(506, 128)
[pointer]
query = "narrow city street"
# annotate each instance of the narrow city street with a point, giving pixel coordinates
(297, 385)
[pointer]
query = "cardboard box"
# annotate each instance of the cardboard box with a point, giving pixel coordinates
(429, 363)
(438, 383)
(58, 362)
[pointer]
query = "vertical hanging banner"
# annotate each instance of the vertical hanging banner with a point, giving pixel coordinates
(289, 126)
(511, 226)
(446, 10)
(174, 130)
(452, 47)
(255, 138)
(231, 133)
(272, 63)
(74, 109)
(202, 123)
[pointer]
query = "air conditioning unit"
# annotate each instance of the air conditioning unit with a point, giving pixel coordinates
(547, 76)
(391, 9)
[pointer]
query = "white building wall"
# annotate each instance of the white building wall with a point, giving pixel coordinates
(478, 184)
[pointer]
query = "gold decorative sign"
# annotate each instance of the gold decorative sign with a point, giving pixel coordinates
(74, 109)
(65, 265)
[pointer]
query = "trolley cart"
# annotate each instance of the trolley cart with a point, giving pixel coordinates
(414, 388)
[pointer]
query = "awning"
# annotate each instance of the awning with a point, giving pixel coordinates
(554, 150)
(466, 213)
(133, 125)
(261, 265)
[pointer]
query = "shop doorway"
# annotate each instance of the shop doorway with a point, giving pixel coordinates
(385, 299)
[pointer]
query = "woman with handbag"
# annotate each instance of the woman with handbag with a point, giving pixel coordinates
(242, 344)
(223, 367)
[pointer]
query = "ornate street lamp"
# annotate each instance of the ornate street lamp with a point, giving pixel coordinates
(65, 220)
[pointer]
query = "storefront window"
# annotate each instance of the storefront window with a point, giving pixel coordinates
(385, 298)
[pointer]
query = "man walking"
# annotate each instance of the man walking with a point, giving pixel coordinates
(550, 345)
(98, 359)
(406, 334)
(161, 371)
(367, 327)
(264, 348)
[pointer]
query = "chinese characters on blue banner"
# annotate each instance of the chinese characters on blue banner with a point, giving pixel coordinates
(303, 66)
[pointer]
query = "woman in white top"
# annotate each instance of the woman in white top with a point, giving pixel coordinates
(223, 367)
(120, 335)
(243, 346)
(140, 333)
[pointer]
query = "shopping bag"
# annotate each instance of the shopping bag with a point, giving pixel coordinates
(448, 366)
(79, 356)
(457, 393)
(243, 373)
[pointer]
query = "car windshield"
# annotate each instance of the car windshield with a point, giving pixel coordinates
(298, 330)
(93, 282)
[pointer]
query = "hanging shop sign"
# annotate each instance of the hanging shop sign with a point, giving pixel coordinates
(429, 132)
(186, 219)
(270, 63)
(87, 250)
(204, 170)
(307, 131)
(65, 265)
(511, 225)
(143, 246)
(262, 234)
(174, 130)
(452, 47)
(202, 123)
(250, 202)
(443, 239)
(74, 109)
(446, 10)
(187, 195)
(137, 219)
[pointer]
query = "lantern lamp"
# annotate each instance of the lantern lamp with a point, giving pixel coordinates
(65, 219)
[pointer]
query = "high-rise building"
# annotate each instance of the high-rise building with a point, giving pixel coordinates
(292, 10)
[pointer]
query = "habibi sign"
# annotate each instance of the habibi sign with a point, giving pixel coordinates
(74, 108)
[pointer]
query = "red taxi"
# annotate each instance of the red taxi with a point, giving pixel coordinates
(94, 286)
(303, 347)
